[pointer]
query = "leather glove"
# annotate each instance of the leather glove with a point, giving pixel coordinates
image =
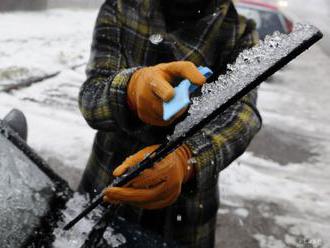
(150, 86)
(156, 187)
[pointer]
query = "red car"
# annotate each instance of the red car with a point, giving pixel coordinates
(268, 17)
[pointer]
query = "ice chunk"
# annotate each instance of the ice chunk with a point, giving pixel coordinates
(250, 64)
(113, 239)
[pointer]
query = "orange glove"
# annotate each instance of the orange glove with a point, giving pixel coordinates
(150, 86)
(156, 187)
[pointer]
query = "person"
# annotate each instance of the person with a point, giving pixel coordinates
(140, 49)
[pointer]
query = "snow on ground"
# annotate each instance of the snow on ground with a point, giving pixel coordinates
(276, 205)
(295, 101)
(36, 44)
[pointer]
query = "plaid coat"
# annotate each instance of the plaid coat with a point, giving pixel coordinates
(122, 43)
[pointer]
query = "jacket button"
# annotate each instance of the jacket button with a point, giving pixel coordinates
(156, 39)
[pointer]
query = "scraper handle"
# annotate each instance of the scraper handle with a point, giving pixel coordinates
(181, 97)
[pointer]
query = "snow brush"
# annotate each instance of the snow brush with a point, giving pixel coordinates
(250, 69)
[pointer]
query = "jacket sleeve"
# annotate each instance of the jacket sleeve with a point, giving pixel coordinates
(102, 97)
(227, 136)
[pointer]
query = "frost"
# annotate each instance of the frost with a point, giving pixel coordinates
(250, 64)
(23, 199)
(76, 236)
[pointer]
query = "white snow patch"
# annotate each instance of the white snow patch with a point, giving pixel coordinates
(113, 239)
(38, 43)
(269, 241)
(223, 211)
(241, 212)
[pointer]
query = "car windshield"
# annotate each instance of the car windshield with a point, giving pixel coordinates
(24, 195)
(267, 21)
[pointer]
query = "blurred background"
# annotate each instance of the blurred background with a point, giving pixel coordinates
(10, 5)
(277, 194)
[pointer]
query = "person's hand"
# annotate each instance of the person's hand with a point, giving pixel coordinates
(149, 87)
(156, 187)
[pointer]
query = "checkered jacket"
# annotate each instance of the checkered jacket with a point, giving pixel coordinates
(122, 43)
